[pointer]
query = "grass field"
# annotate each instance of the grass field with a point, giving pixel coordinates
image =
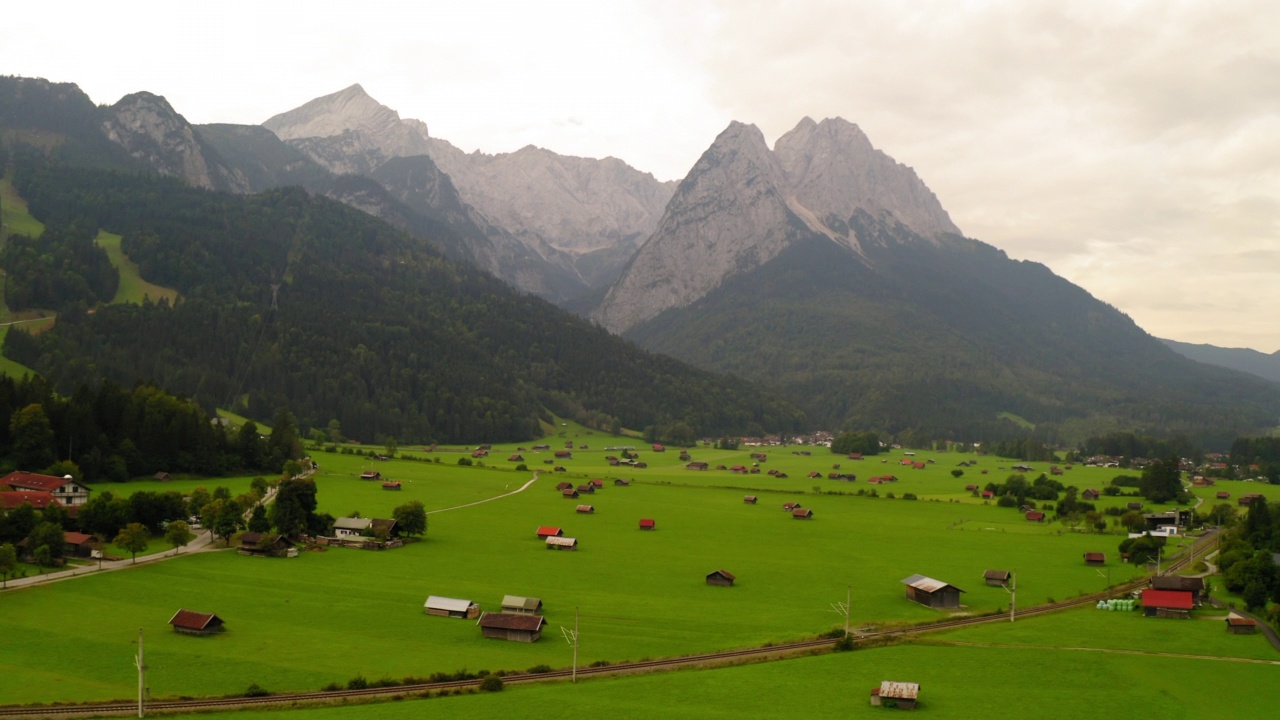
(132, 287)
(14, 217)
(641, 594)
(956, 682)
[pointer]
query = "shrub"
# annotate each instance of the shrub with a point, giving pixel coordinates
(539, 669)
(491, 683)
(464, 461)
(844, 644)
(331, 687)
(522, 467)
(255, 690)
(357, 683)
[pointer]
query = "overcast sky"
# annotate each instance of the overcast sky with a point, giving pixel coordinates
(1133, 147)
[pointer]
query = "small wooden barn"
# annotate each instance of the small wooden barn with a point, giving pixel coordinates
(562, 543)
(1095, 558)
(596, 483)
(562, 486)
(391, 485)
(521, 605)
(750, 499)
(79, 544)
(1035, 516)
(190, 622)
(587, 488)
(546, 531)
(263, 544)
(586, 509)
(1241, 625)
(569, 493)
(517, 627)
(370, 475)
(451, 607)
(932, 593)
(791, 506)
(997, 577)
(721, 577)
(1090, 494)
(515, 458)
(162, 476)
(802, 513)
(1167, 603)
(647, 524)
(697, 465)
(619, 482)
(902, 694)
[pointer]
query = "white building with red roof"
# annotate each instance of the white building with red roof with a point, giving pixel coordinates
(66, 490)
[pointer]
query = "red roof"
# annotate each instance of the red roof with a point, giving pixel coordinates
(193, 620)
(646, 523)
(547, 530)
(1095, 557)
(1035, 515)
(33, 481)
(39, 499)
(76, 538)
(1175, 599)
(512, 621)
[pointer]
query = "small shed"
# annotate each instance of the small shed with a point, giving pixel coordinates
(596, 483)
(750, 499)
(370, 475)
(190, 622)
(569, 493)
(1095, 558)
(521, 605)
(1167, 603)
(562, 543)
(546, 531)
(1090, 494)
(79, 544)
(391, 485)
(586, 509)
(1223, 495)
(932, 593)
(1134, 506)
(619, 482)
(1241, 625)
(1035, 516)
(697, 465)
(998, 578)
(647, 524)
(587, 488)
(515, 458)
(902, 694)
(562, 486)
(517, 627)
(162, 476)
(791, 506)
(451, 607)
(720, 577)
(263, 544)
(802, 513)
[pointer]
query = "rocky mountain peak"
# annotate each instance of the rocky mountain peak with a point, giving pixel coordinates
(150, 130)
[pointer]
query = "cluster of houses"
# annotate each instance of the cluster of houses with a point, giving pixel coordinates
(520, 619)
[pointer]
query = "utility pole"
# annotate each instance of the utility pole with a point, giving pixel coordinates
(142, 672)
(842, 608)
(1108, 578)
(571, 637)
(1013, 593)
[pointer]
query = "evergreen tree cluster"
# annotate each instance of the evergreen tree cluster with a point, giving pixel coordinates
(1246, 558)
(61, 269)
(1261, 451)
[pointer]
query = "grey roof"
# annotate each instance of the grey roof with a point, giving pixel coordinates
(353, 523)
(927, 584)
(564, 541)
(900, 690)
(526, 603)
(436, 602)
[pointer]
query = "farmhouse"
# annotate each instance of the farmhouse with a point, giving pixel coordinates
(190, 622)
(1179, 583)
(517, 627)
(997, 577)
(932, 593)
(562, 543)
(66, 490)
(10, 499)
(1167, 603)
(647, 524)
(802, 514)
(451, 607)
(351, 527)
(586, 509)
(370, 475)
(902, 694)
(521, 605)
(750, 499)
(546, 531)
(1095, 558)
(263, 544)
(723, 578)
(1241, 625)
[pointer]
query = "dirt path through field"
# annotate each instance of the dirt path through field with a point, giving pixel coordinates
(495, 497)
(1005, 646)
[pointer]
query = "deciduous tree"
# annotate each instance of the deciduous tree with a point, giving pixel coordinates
(133, 539)
(178, 534)
(411, 518)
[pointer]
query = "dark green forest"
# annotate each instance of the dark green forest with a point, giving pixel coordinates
(300, 302)
(61, 269)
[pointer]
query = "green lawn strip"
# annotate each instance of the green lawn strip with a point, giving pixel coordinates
(9, 367)
(238, 420)
(132, 287)
(14, 217)
(955, 682)
(641, 594)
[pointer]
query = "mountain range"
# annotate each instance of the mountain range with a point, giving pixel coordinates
(820, 267)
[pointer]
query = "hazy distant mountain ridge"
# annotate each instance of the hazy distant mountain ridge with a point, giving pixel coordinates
(1247, 360)
(153, 133)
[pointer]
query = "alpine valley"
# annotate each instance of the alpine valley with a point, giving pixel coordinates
(823, 274)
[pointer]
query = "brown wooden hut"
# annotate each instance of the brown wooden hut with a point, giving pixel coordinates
(721, 577)
(190, 622)
(518, 627)
(932, 593)
(1241, 625)
(997, 577)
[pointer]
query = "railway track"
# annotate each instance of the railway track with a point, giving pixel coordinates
(715, 658)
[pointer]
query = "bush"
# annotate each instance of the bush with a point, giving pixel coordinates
(464, 461)
(357, 683)
(491, 683)
(255, 690)
(331, 687)
(522, 467)
(539, 669)
(844, 644)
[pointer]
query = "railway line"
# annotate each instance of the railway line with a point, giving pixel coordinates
(716, 658)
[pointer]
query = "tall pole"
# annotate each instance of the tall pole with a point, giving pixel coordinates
(1013, 594)
(848, 608)
(575, 645)
(142, 672)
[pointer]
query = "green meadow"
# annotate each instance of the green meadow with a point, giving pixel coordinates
(132, 287)
(982, 683)
(299, 624)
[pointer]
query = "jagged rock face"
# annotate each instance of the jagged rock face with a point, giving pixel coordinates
(729, 214)
(742, 205)
(577, 205)
(149, 129)
(349, 132)
(833, 170)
